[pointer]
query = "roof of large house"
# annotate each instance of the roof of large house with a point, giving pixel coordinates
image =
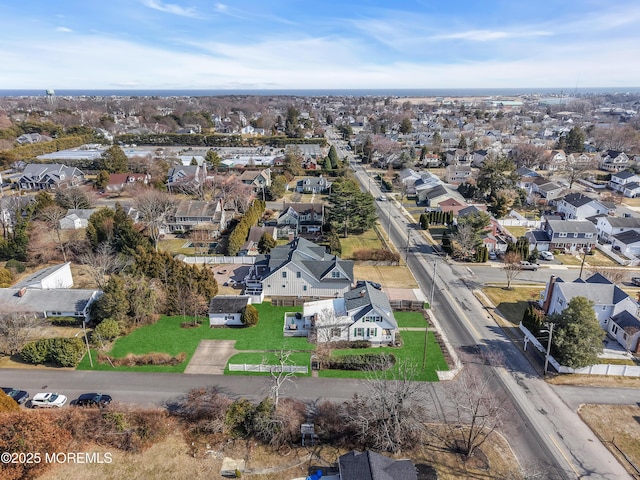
(607, 293)
(373, 466)
(307, 255)
(40, 275)
(628, 322)
(624, 174)
(36, 171)
(622, 222)
(303, 208)
(196, 208)
(628, 237)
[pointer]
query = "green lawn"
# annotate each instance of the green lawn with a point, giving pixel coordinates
(166, 335)
(410, 319)
(412, 351)
(512, 303)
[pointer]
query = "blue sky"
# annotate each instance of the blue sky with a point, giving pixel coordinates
(284, 44)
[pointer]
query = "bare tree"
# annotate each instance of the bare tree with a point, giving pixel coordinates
(574, 169)
(154, 207)
(327, 326)
(280, 374)
(617, 138)
(512, 267)
(51, 216)
(389, 415)
(74, 198)
(528, 155)
(615, 275)
(16, 328)
(466, 238)
(103, 262)
(474, 410)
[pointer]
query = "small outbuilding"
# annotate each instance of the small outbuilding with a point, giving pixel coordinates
(226, 310)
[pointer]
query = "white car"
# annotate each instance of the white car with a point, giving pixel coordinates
(48, 400)
(546, 255)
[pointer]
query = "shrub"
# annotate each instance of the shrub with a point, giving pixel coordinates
(6, 278)
(376, 255)
(153, 358)
(367, 361)
(343, 344)
(7, 404)
(107, 329)
(14, 264)
(249, 316)
(65, 321)
(66, 352)
(35, 352)
(239, 417)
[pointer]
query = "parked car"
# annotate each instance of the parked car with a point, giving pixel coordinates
(382, 198)
(48, 400)
(546, 255)
(93, 399)
(20, 396)
(492, 255)
(524, 265)
(361, 283)
(635, 281)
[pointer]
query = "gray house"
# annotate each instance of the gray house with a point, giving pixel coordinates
(227, 309)
(299, 269)
(373, 466)
(296, 218)
(313, 185)
(49, 177)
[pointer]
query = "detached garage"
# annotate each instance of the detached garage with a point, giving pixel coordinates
(226, 310)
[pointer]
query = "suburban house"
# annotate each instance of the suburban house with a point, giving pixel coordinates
(49, 177)
(564, 235)
(300, 218)
(545, 189)
(627, 243)
(554, 159)
(431, 160)
(186, 176)
(250, 247)
(373, 466)
(615, 310)
(607, 227)
(362, 313)
(431, 197)
(614, 161)
(299, 269)
(119, 181)
(76, 218)
(457, 156)
(203, 215)
(579, 207)
(457, 174)
(258, 179)
(47, 293)
(452, 205)
(227, 310)
(626, 182)
(311, 150)
(313, 185)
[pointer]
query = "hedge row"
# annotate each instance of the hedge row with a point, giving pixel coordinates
(365, 361)
(153, 358)
(63, 352)
(214, 140)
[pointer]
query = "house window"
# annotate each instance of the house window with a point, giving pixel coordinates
(624, 336)
(298, 274)
(589, 235)
(335, 274)
(614, 329)
(284, 274)
(304, 288)
(562, 234)
(358, 332)
(336, 332)
(560, 301)
(373, 332)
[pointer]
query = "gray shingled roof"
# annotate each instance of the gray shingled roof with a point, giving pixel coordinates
(40, 301)
(371, 299)
(373, 466)
(228, 303)
(572, 226)
(629, 237)
(627, 322)
(577, 199)
(624, 222)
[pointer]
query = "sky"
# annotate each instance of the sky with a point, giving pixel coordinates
(319, 44)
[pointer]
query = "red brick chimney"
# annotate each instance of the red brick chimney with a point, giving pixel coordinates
(547, 300)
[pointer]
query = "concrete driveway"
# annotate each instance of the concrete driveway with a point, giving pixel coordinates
(211, 357)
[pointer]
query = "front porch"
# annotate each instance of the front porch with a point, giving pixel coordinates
(295, 325)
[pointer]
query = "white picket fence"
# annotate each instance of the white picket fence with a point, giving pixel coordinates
(599, 369)
(246, 367)
(218, 260)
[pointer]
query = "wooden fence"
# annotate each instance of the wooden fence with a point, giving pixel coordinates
(246, 367)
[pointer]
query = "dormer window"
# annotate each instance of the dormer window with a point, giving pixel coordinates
(335, 274)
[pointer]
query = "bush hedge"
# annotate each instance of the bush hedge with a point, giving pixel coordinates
(65, 321)
(153, 358)
(62, 352)
(365, 361)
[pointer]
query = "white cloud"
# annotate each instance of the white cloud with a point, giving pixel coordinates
(63, 29)
(221, 7)
(170, 8)
(487, 35)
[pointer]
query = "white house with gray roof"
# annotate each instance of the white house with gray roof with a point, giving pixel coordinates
(299, 269)
(609, 304)
(607, 227)
(49, 177)
(363, 313)
(577, 206)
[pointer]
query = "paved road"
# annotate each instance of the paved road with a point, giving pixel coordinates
(544, 427)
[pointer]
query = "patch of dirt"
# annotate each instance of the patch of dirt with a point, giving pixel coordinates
(595, 381)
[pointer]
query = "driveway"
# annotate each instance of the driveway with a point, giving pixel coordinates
(211, 357)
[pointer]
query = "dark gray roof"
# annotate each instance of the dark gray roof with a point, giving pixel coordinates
(631, 186)
(538, 236)
(470, 210)
(526, 172)
(373, 466)
(629, 237)
(624, 174)
(577, 199)
(626, 320)
(228, 303)
(436, 192)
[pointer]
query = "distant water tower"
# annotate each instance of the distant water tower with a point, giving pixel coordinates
(51, 96)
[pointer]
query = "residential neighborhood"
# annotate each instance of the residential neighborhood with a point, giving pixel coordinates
(334, 239)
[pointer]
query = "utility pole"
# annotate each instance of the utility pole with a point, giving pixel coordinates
(389, 221)
(584, 256)
(549, 326)
(408, 241)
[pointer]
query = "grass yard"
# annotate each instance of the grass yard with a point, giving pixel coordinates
(410, 319)
(387, 276)
(167, 336)
(367, 240)
(412, 351)
(175, 245)
(512, 303)
(598, 259)
(517, 231)
(616, 426)
(268, 358)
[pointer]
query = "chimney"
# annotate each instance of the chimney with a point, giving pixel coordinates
(362, 292)
(547, 300)
(22, 291)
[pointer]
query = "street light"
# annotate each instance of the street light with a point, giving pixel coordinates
(86, 341)
(549, 326)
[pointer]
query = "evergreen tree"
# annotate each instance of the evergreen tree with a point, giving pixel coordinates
(333, 156)
(266, 243)
(405, 126)
(114, 160)
(114, 302)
